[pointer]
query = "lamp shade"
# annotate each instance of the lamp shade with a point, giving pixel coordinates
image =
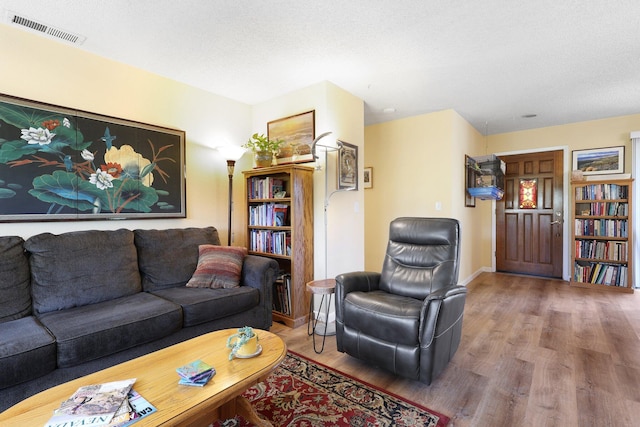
(231, 152)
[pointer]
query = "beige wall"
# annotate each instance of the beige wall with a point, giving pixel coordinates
(418, 161)
(42, 70)
(575, 136)
(341, 113)
(418, 167)
(48, 71)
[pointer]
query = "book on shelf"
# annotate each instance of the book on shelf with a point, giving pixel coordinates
(601, 227)
(619, 209)
(104, 404)
(266, 187)
(602, 249)
(282, 294)
(269, 215)
(602, 192)
(601, 273)
(280, 215)
(270, 241)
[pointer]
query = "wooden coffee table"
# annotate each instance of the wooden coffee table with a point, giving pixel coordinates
(157, 381)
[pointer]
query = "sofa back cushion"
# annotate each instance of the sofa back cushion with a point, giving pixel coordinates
(168, 258)
(82, 267)
(15, 294)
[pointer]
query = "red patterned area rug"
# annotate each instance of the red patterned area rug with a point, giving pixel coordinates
(304, 393)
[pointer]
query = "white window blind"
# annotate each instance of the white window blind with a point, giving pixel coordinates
(635, 153)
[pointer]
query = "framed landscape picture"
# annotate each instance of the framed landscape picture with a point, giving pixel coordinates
(599, 161)
(58, 163)
(298, 133)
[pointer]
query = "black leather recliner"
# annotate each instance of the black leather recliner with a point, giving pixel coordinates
(408, 318)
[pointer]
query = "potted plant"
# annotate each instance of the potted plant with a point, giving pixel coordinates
(244, 344)
(263, 148)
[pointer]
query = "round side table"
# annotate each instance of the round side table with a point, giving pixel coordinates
(324, 287)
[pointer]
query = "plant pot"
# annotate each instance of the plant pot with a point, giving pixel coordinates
(263, 159)
(243, 344)
(249, 348)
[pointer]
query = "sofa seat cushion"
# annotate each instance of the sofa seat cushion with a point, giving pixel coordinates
(15, 280)
(168, 258)
(93, 331)
(200, 305)
(81, 268)
(27, 351)
(388, 317)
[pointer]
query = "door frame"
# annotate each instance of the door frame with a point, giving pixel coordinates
(566, 172)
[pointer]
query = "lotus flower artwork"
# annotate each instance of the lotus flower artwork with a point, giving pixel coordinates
(62, 163)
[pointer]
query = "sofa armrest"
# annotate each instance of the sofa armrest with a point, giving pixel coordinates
(260, 272)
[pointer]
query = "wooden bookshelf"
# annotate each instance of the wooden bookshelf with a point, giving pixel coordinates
(602, 234)
(288, 237)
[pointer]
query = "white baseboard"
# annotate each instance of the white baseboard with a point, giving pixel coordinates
(322, 316)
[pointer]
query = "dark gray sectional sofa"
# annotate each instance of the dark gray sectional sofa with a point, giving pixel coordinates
(74, 303)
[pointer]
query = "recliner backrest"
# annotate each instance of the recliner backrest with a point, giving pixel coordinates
(422, 256)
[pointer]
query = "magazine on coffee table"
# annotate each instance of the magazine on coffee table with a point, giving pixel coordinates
(140, 408)
(93, 405)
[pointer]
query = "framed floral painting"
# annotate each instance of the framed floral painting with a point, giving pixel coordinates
(62, 164)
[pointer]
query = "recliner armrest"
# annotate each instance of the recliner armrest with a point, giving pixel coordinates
(440, 311)
(364, 281)
(446, 292)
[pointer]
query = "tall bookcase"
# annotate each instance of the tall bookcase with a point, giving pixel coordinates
(602, 234)
(279, 218)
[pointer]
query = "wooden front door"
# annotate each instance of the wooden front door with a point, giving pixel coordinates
(530, 215)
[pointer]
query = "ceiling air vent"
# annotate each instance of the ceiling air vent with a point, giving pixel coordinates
(39, 27)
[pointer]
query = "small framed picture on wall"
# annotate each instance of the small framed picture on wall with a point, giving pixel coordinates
(368, 177)
(348, 166)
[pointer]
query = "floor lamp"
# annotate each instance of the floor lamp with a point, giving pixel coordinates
(327, 197)
(231, 154)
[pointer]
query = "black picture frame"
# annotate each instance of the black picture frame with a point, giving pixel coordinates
(347, 166)
(469, 179)
(59, 163)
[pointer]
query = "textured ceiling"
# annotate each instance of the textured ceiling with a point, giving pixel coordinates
(492, 61)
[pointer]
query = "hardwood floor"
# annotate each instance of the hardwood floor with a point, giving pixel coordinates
(534, 352)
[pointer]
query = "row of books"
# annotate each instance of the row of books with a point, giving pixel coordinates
(602, 274)
(113, 404)
(601, 227)
(270, 241)
(269, 214)
(282, 294)
(602, 192)
(609, 250)
(265, 187)
(606, 209)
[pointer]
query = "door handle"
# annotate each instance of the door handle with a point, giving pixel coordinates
(555, 222)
